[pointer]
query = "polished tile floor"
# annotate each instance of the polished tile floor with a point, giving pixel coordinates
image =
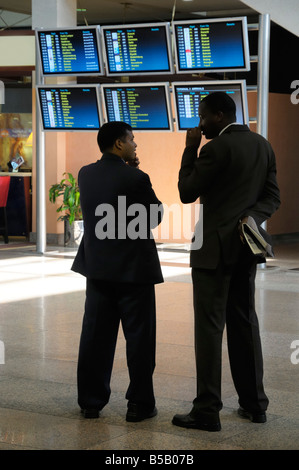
(41, 304)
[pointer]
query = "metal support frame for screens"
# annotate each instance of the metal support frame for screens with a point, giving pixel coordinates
(263, 82)
(41, 232)
(262, 127)
(263, 75)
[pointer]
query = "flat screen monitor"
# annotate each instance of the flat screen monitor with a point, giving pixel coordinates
(70, 108)
(188, 95)
(137, 49)
(70, 51)
(217, 45)
(146, 107)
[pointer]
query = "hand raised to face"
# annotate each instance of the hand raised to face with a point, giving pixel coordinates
(193, 137)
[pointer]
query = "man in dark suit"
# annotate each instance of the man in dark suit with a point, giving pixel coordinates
(235, 177)
(118, 256)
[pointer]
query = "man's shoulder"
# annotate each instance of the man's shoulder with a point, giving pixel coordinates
(86, 171)
(246, 136)
(125, 170)
(236, 132)
(137, 175)
(88, 167)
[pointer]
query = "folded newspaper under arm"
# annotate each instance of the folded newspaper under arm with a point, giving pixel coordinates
(256, 242)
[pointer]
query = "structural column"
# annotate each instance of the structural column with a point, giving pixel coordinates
(50, 150)
(263, 75)
(263, 79)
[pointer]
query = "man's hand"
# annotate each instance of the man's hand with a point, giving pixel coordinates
(193, 137)
(241, 222)
(134, 162)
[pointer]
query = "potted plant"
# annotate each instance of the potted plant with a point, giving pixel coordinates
(68, 189)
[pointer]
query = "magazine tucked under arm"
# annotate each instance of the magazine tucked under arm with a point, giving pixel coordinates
(255, 241)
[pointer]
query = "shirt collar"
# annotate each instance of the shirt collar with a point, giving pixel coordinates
(231, 124)
(112, 156)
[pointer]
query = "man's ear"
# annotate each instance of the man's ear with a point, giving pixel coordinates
(219, 116)
(118, 144)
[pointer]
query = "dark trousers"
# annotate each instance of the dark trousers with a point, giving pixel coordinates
(107, 304)
(227, 296)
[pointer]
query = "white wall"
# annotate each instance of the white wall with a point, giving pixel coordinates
(17, 51)
(285, 13)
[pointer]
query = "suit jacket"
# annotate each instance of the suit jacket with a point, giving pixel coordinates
(234, 176)
(107, 189)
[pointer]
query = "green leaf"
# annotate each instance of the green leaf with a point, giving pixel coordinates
(68, 189)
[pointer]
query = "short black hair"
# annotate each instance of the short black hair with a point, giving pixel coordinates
(110, 132)
(220, 101)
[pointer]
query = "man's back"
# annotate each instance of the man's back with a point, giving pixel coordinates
(244, 168)
(235, 175)
(107, 188)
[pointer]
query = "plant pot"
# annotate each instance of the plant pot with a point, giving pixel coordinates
(73, 233)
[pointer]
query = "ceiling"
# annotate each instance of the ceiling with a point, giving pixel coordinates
(17, 13)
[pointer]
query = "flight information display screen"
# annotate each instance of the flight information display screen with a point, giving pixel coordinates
(144, 107)
(70, 51)
(216, 45)
(69, 108)
(188, 95)
(136, 49)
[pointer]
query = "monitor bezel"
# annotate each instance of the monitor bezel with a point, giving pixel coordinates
(97, 30)
(166, 87)
(164, 24)
(222, 83)
(63, 86)
(245, 39)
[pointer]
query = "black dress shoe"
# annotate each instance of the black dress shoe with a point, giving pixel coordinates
(90, 413)
(254, 417)
(187, 421)
(137, 413)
